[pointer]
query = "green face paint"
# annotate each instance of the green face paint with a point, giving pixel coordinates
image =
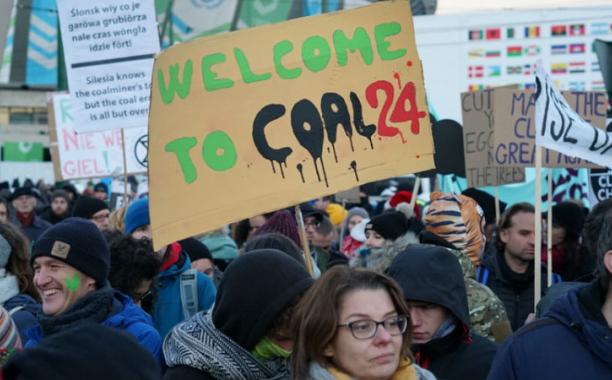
(73, 283)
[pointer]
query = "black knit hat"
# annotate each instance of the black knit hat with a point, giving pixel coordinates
(570, 216)
(390, 225)
(195, 249)
(88, 351)
(86, 207)
(24, 190)
(486, 202)
(245, 313)
(78, 243)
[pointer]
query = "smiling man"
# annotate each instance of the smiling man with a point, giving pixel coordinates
(71, 263)
(434, 288)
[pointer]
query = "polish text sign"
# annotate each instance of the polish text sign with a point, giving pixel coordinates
(260, 119)
(560, 128)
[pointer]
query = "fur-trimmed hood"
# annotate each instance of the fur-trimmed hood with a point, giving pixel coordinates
(379, 259)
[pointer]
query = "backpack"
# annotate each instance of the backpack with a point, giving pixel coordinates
(189, 292)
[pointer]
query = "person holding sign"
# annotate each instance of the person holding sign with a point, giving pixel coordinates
(574, 340)
(353, 323)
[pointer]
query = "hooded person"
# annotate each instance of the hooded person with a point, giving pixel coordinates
(248, 335)
(88, 351)
(201, 259)
(387, 235)
(71, 262)
(348, 244)
(455, 222)
(182, 291)
(442, 338)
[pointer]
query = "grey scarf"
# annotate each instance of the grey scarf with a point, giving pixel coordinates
(197, 343)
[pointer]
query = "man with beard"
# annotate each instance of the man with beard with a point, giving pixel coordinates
(59, 209)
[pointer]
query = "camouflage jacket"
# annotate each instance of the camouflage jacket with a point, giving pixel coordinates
(380, 259)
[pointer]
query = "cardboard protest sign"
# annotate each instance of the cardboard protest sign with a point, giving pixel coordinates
(109, 47)
(90, 155)
(478, 143)
(515, 127)
(264, 118)
(600, 185)
(560, 128)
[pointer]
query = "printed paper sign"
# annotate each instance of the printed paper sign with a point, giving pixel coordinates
(95, 154)
(109, 47)
(600, 185)
(479, 143)
(560, 128)
(264, 118)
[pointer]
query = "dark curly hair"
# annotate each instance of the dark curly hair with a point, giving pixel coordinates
(132, 262)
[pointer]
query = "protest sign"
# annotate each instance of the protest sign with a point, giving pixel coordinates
(515, 127)
(260, 119)
(109, 47)
(600, 185)
(560, 128)
(478, 142)
(90, 155)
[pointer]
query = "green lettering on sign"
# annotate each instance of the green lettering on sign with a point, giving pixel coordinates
(281, 49)
(381, 32)
(181, 148)
(315, 53)
(210, 78)
(360, 41)
(218, 151)
(174, 85)
(245, 69)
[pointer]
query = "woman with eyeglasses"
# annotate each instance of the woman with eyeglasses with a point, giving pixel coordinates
(353, 324)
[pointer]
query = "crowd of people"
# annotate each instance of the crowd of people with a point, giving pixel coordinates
(386, 290)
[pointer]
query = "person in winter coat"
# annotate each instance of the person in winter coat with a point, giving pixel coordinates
(58, 209)
(24, 200)
(71, 262)
(387, 235)
(349, 245)
(17, 292)
(441, 334)
(169, 309)
(574, 340)
(455, 222)
(248, 335)
(353, 324)
(88, 351)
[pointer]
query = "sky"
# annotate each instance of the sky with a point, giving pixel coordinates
(464, 6)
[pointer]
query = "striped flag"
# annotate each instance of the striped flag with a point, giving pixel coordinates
(532, 31)
(475, 34)
(476, 53)
(599, 28)
(529, 86)
(595, 67)
(493, 54)
(558, 49)
(475, 87)
(577, 48)
(558, 30)
(597, 85)
(514, 51)
(475, 71)
(577, 67)
(577, 30)
(514, 70)
(527, 69)
(558, 68)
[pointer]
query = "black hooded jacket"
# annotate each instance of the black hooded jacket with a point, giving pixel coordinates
(433, 275)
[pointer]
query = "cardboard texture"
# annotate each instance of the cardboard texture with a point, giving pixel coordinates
(478, 143)
(515, 129)
(261, 119)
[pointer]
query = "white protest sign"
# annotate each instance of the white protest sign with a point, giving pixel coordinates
(559, 128)
(109, 47)
(95, 154)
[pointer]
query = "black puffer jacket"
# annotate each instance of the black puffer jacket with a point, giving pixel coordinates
(429, 274)
(515, 290)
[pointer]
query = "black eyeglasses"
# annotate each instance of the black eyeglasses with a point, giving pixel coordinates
(367, 328)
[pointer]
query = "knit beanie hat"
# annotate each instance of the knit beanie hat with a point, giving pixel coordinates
(59, 193)
(275, 281)
(101, 186)
(85, 207)
(282, 222)
(78, 243)
(390, 225)
(5, 252)
(570, 216)
(457, 219)
(195, 249)
(137, 215)
(336, 213)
